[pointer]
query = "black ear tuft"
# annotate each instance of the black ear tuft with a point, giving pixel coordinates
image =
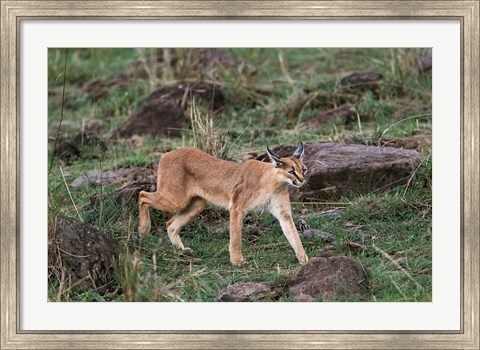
(299, 151)
(275, 158)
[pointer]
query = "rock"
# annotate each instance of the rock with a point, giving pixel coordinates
(326, 236)
(247, 291)
(332, 214)
(330, 278)
(307, 232)
(338, 169)
(86, 254)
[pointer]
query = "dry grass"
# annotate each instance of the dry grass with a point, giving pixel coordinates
(206, 136)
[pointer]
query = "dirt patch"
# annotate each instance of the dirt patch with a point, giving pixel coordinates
(157, 116)
(70, 147)
(204, 60)
(97, 88)
(127, 196)
(211, 59)
(338, 169)
(182, 93)
(417, 142)
(164, 111)
(65, 149)
(424, 65)
(85, 254)
(118, 176)
(406, 112)
(327, 251)
(330, 278)
(362, 81)
(337, 97)
(345, 113)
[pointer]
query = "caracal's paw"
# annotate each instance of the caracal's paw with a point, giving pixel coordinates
(236, 260)
(144, 229)
(303, 259)
(187, 251)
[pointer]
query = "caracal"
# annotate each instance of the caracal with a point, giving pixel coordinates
(188, 178)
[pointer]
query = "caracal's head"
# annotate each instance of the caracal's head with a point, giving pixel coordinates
(290, 169)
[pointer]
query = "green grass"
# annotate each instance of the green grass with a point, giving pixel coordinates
(395, 224)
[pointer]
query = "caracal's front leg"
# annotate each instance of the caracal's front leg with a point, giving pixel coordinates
(236, 222)
(280, 208)
(183, 217)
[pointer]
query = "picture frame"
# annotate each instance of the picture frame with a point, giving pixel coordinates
(13, 12)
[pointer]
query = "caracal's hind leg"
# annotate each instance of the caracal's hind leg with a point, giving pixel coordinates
(183, 217)
(145, 201)
(156, 200)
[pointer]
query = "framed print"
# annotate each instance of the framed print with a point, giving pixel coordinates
(340, 139)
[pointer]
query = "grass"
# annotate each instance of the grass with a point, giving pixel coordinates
(389, 232)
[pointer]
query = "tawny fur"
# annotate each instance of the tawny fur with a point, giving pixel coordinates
(188, 178)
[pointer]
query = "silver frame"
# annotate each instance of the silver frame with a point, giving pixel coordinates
(12, 12)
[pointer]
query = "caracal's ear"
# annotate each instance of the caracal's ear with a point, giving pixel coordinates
(275, 158)
(299, 151)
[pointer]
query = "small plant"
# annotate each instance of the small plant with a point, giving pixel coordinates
(206, 136)
(139, 283)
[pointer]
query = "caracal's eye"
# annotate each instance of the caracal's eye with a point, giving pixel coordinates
(304, 170)
(291, 172)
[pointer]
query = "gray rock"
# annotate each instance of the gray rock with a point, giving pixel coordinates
(331, 214)
(247, 291)
(312, 232)
(338, 169)
(330, 278)
(307, 232)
